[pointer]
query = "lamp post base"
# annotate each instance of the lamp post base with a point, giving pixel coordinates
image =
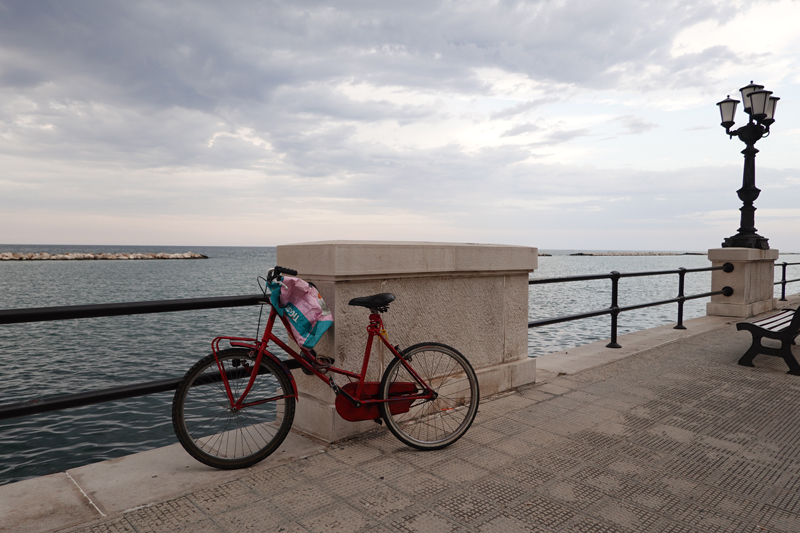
(744, 240)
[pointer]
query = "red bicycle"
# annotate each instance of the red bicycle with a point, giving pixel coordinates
(235, 406)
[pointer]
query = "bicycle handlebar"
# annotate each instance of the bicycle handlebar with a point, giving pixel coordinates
(278, 270)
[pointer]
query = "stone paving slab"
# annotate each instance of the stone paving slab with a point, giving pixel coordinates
(115, 486)
(43, 504)
(134, 480)
(572, 360)
(677, 439)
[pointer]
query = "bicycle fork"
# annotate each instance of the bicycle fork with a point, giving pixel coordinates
(253, 372)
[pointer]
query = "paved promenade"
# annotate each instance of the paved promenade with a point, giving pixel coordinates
(675, 439)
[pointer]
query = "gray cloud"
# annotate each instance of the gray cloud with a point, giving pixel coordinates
(520, 129)
(269, 67)
(152, 107)
(522, 107)
(635, 125)
(194, 54)
(562, 136)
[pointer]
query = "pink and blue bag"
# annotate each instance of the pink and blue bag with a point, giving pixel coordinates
(306, 311)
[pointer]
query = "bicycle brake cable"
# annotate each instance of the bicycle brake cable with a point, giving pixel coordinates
(261, 310)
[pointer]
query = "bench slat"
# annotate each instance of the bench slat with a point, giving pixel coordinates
(778, 326)
(782, 314)
(775, 322)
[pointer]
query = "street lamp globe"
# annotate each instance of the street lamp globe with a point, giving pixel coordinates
(772, 103)
(746, 90)
(727, 110)
(758, 104)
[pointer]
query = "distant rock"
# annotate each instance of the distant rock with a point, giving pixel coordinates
(77, 256)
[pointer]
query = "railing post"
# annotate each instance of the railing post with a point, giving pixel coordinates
(614, 309)
(783, 283)
(681, 278)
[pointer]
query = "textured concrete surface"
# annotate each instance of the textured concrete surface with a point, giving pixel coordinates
(579, 358)
(139, 479)
(44, 504)
(371, 259)
(473, 297)
(677, 438)
(115, 486)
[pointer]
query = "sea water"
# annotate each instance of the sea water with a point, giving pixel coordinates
(63, 357)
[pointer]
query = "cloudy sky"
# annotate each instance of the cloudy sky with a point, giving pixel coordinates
(580, 124)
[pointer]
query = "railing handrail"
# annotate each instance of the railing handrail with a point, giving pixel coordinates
(68, 312)
(614, 310)
(609, 310)
(37, 406)
(590, 277)
(44, 314)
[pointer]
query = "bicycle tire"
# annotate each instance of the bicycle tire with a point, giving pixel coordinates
(431, 424)
(215, 435)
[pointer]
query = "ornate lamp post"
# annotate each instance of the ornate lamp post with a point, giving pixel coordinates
(760, 106)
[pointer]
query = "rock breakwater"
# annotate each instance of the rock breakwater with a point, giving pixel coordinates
(77, 256)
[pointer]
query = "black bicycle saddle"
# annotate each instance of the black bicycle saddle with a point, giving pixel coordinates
(376, 301)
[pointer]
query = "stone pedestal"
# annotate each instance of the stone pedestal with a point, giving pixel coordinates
(470, 296)
(751, 280)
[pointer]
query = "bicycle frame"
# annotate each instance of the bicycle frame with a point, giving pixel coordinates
(306, 359)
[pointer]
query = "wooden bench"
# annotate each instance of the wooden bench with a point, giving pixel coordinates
(783, 327)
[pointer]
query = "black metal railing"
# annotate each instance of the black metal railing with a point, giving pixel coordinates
(614, 310)
(45, 314)
(783, 280)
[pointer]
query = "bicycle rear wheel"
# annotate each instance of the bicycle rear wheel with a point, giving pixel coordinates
(438, 422)
(218, 436)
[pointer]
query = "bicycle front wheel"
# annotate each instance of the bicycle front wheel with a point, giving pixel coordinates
(437, 422)
(215, 434)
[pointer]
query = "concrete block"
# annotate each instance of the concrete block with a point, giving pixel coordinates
(469, 296)
(523, 372)
(742, 254)
(740, 310)
(751, 280)
(318, 418)
(376, 259)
